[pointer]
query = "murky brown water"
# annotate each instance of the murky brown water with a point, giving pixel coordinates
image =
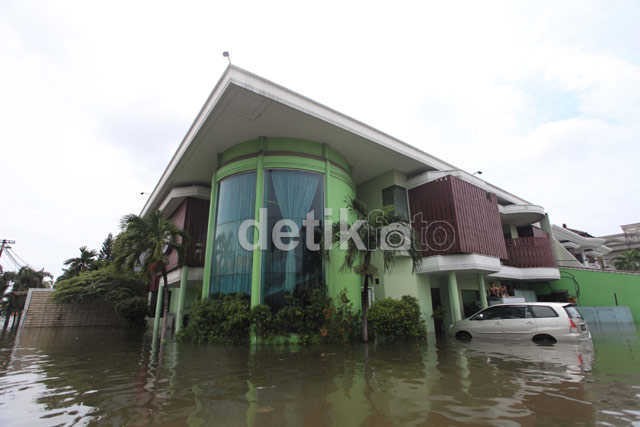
(81, 376)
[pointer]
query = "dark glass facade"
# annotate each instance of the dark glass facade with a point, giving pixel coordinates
(231, 265)
(290, 195)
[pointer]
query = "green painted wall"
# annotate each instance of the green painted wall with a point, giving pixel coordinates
(290, 153)
(400, 280)
(370, 192)
(339, 191)
(284, 146)
(600, 288)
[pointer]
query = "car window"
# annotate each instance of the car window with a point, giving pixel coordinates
(513, 312)
(486, 314)
(502, 312)
(542, 311)
(572, 311)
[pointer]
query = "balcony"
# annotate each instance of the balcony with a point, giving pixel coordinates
(529, 252)
(521, 214)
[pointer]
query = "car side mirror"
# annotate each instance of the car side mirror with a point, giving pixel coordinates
(479, 317)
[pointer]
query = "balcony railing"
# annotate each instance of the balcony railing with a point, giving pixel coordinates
(529, 252)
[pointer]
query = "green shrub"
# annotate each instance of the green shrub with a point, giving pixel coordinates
(302, 314)
(342, 323)
(393, 320)
(221, 319)
(310, 314)
(124, 290)
(263, 322)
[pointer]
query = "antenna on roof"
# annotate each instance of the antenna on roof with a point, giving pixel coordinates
(227, 55)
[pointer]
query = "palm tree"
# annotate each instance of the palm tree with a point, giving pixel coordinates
(359, 259)
(145, 243)
(106, 251)
(628, 260)
(29, 278)
(5, 279)
(24, 279)
(85, 262)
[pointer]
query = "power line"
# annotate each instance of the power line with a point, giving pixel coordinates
(3, 245)
(15, 254)
(12, 259)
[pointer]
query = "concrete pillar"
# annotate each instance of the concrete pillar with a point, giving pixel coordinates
(182, 292)
(483, 291)
(156, 319)
(424, 301)
(454, 298)
(545, 224)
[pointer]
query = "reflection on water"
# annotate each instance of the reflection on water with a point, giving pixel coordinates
(89, 376)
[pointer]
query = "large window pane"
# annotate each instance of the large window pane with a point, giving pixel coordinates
(396, 196)
(231, 266)
(291, 195)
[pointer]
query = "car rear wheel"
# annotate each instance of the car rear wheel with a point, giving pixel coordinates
(463, 336)
(544, 339)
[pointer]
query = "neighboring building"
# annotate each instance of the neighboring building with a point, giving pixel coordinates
(627, 240)
(580, 249)
(589, 277)
(257, 145)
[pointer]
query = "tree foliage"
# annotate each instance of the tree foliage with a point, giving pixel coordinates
(144, 245)
(105, 256)
(628, 260)
(86, 261)
(145, 242)
(24, 279)
(124, 290)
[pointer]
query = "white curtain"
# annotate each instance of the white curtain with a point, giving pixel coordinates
(295, 192)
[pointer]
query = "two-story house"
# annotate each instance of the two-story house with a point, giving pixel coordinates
(259, 152)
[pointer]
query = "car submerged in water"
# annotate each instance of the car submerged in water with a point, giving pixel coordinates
(540, 322)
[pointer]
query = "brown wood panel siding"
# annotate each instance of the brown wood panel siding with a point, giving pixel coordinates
(471, 212)
(178, 217)
(192, 216)
(478, 218)
(530, 252)
(432, 202)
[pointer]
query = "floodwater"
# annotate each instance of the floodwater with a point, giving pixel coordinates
(109, 377)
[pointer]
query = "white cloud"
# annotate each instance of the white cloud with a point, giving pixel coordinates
(96, 97)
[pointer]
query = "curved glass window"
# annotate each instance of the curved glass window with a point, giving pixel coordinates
(232, 264)
(291, 194)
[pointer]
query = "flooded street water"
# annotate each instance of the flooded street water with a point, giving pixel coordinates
(108, 377)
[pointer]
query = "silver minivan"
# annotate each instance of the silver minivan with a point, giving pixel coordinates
(541, 322)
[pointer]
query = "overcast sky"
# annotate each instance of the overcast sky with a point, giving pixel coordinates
(95, 98)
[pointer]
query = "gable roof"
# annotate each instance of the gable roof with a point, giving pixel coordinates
(244, 106)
